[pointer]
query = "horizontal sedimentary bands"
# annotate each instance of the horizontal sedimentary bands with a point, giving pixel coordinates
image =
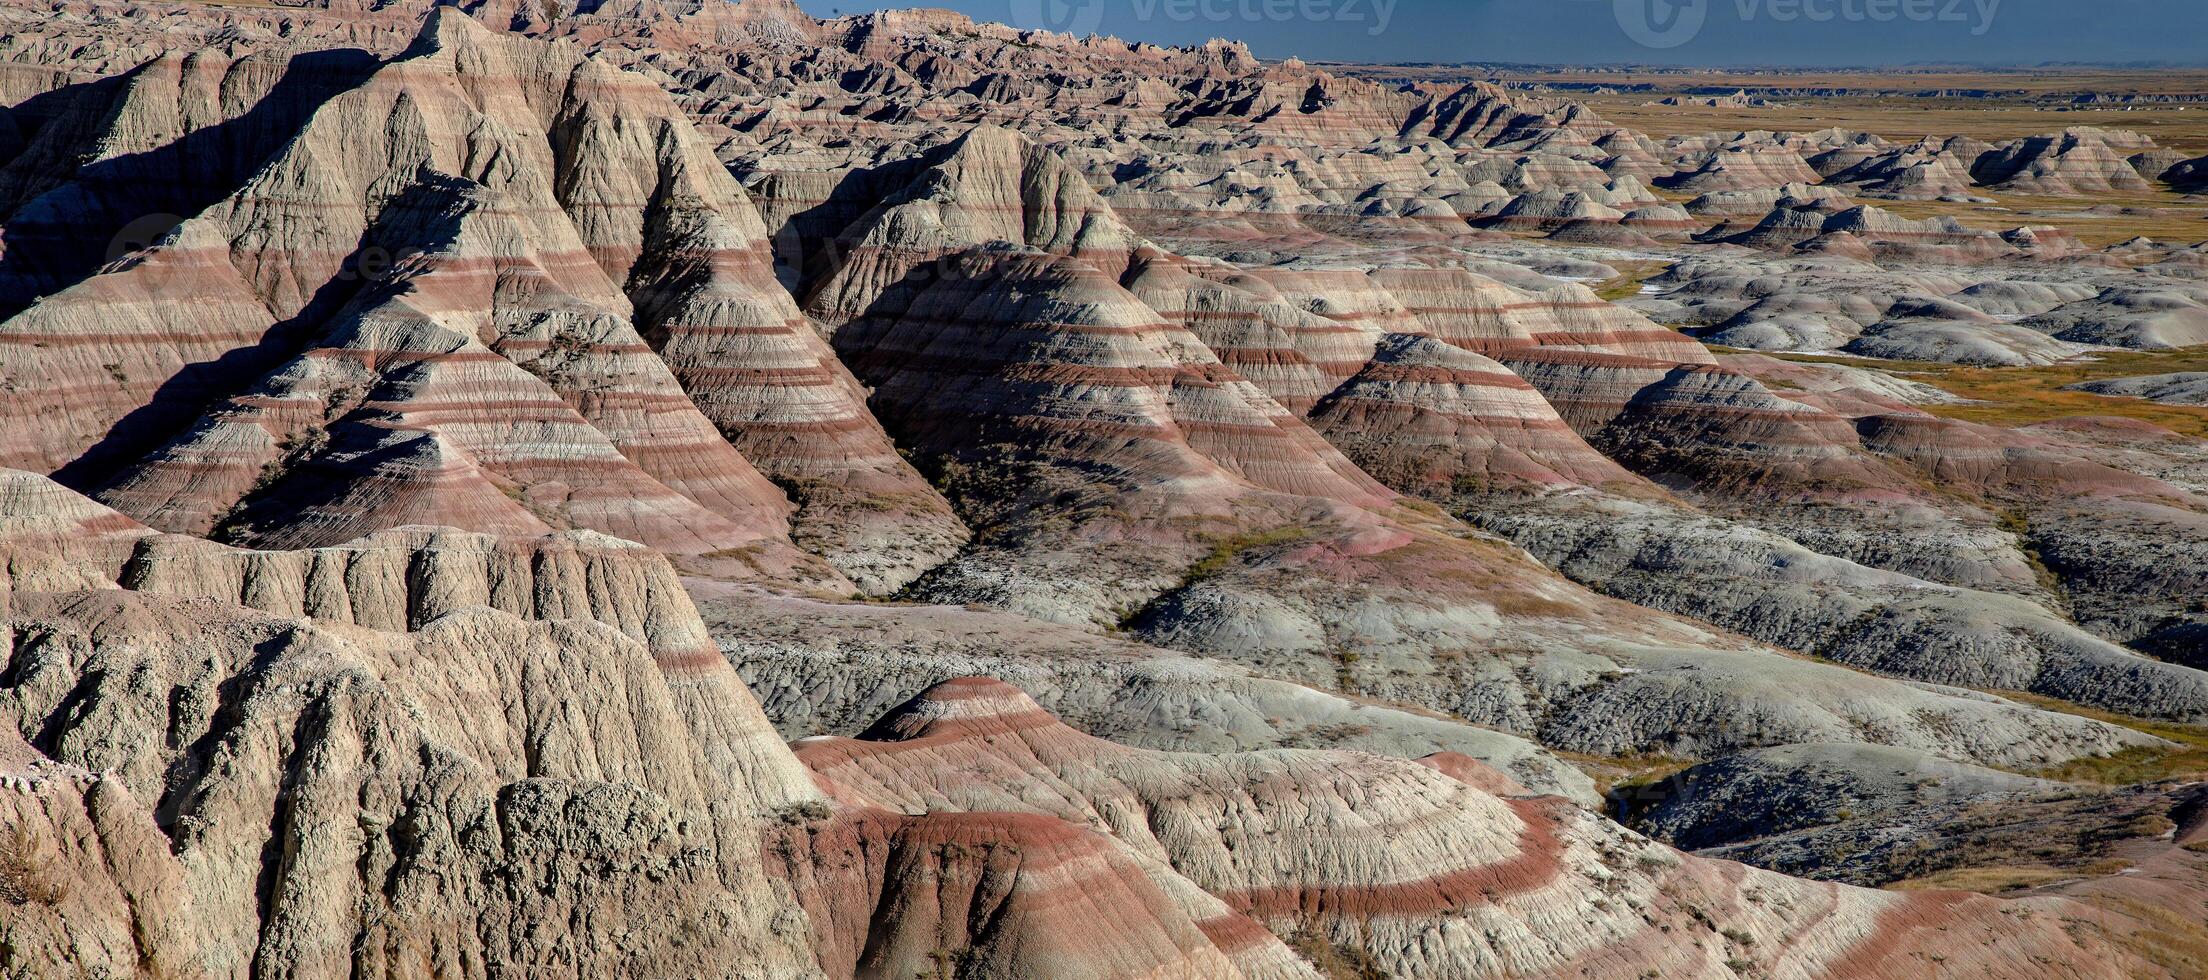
(1182, 515)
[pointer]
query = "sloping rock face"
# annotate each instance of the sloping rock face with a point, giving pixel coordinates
(1426, 414)
(1836, 814)
(990, 185)
(557, 297)
(2073, 162)
(1434, 843)
(505, 776)
(447, 815)
(381, 785)
(1018, 896)
(2012, 476)
(1024, 363)
(1924, 170)
(446, 340)
(708, 301)
(421, 423)
(2173, 316)
(1743, 168)
(1791, 787)
(125, 157)
(1436, 425)
(628, 783)
(2187, 175)
(820, 668)
(1940, 239)
(1120, 475)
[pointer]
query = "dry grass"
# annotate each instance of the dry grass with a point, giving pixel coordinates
(1627, 284)
(27, 874)
(2165, 216)
(1626, 772)
(1336, 961)
(2146, 764)
(1902, 120)
(2173, 938)
(1987, 880)
(2005, 116)
(2026, 395)
(1226, 552)
(2169, 216)
(1518, 604)
(2185, 760)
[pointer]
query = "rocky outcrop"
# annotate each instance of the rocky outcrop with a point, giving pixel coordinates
(2184, 388)
(1426, 847)
(820, 668)
(2147, 317)
(1429, 421)
(1776, 590)
(1427, 417)
(1791, 787)
(1757, 202)
(2074, 162)
(990, 185)
(1009, 895)
(1295, 355)
(481, 237)
(393, 581)
(1271, 420)
(1743, 168)
(1023, 376)
(1881, 817)
(1937, 239)
(455, 758)
(1478, 313)
(1923, 171)
(2190, 175)
(709, 303)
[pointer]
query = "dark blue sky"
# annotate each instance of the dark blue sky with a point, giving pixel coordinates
(1687, 32)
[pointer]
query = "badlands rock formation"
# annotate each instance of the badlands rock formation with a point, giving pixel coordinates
(1437, 867)
(1195, 516)
(1838, 814)
(2187, 388)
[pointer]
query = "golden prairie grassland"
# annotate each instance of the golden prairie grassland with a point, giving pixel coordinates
(2184, 760)
(1902, 120)
(2028, 395)
(2098, 221)
(1627, 283)
(1988, 880)
(2162, 215)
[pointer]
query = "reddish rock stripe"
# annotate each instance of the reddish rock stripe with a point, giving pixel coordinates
(1892, 948)
(103, 339)
(782, 376)
(1236, 933)
(1537, 864)
(701, 331)
(1436, 374)
(1049, 890)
